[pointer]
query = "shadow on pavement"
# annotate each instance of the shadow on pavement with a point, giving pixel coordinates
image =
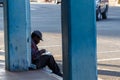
(110, 65)
(109, 73)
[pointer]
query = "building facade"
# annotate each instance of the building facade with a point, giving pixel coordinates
(114, 2)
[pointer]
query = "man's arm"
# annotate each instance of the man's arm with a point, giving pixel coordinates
(37, 53)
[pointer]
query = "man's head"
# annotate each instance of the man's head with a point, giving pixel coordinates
(36, 36)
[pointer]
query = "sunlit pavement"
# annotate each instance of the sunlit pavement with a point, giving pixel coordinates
(108, 58)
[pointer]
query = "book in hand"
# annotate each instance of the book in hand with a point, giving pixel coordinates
(47, 53)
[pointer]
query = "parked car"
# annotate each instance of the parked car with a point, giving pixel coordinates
(1, 1)
(101, 9)
(58, 1)
(33, 0)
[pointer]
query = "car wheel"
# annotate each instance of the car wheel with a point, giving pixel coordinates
(58, 2)
(104, 15)
(1, 5)
(99, 16)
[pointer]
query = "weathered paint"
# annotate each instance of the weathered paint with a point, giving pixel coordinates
(79, 39)
(17, 34)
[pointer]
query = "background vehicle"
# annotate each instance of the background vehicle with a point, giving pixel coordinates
(58, 1)
(1, 2)
(101, 9)
(33, 0)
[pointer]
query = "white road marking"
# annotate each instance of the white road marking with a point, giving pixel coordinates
(2, 51)
(109, 51)
(99, 60)
(105, 69)
(100, 79)
(51, 46)
(110, 59)
(33, 8)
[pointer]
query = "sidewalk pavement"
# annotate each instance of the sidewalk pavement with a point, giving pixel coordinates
(44, 74)
(26, 75)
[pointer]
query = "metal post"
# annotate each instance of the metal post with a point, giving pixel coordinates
(17, 34)
(79, 39)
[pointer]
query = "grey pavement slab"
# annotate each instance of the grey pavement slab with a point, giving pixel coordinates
(25, 75)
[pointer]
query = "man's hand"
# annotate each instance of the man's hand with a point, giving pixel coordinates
(42, 51)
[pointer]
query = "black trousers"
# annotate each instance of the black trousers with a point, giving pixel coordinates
(47, 60)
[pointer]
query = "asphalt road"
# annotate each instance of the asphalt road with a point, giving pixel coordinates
(108, 45)
(44, 17)
(47, 18)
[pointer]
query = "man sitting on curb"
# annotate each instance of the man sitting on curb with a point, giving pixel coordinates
(38, 58)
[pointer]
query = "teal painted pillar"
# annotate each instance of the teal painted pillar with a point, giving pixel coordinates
(79, 39)
(17, 34)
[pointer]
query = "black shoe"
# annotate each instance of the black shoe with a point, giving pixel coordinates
(60, 74)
